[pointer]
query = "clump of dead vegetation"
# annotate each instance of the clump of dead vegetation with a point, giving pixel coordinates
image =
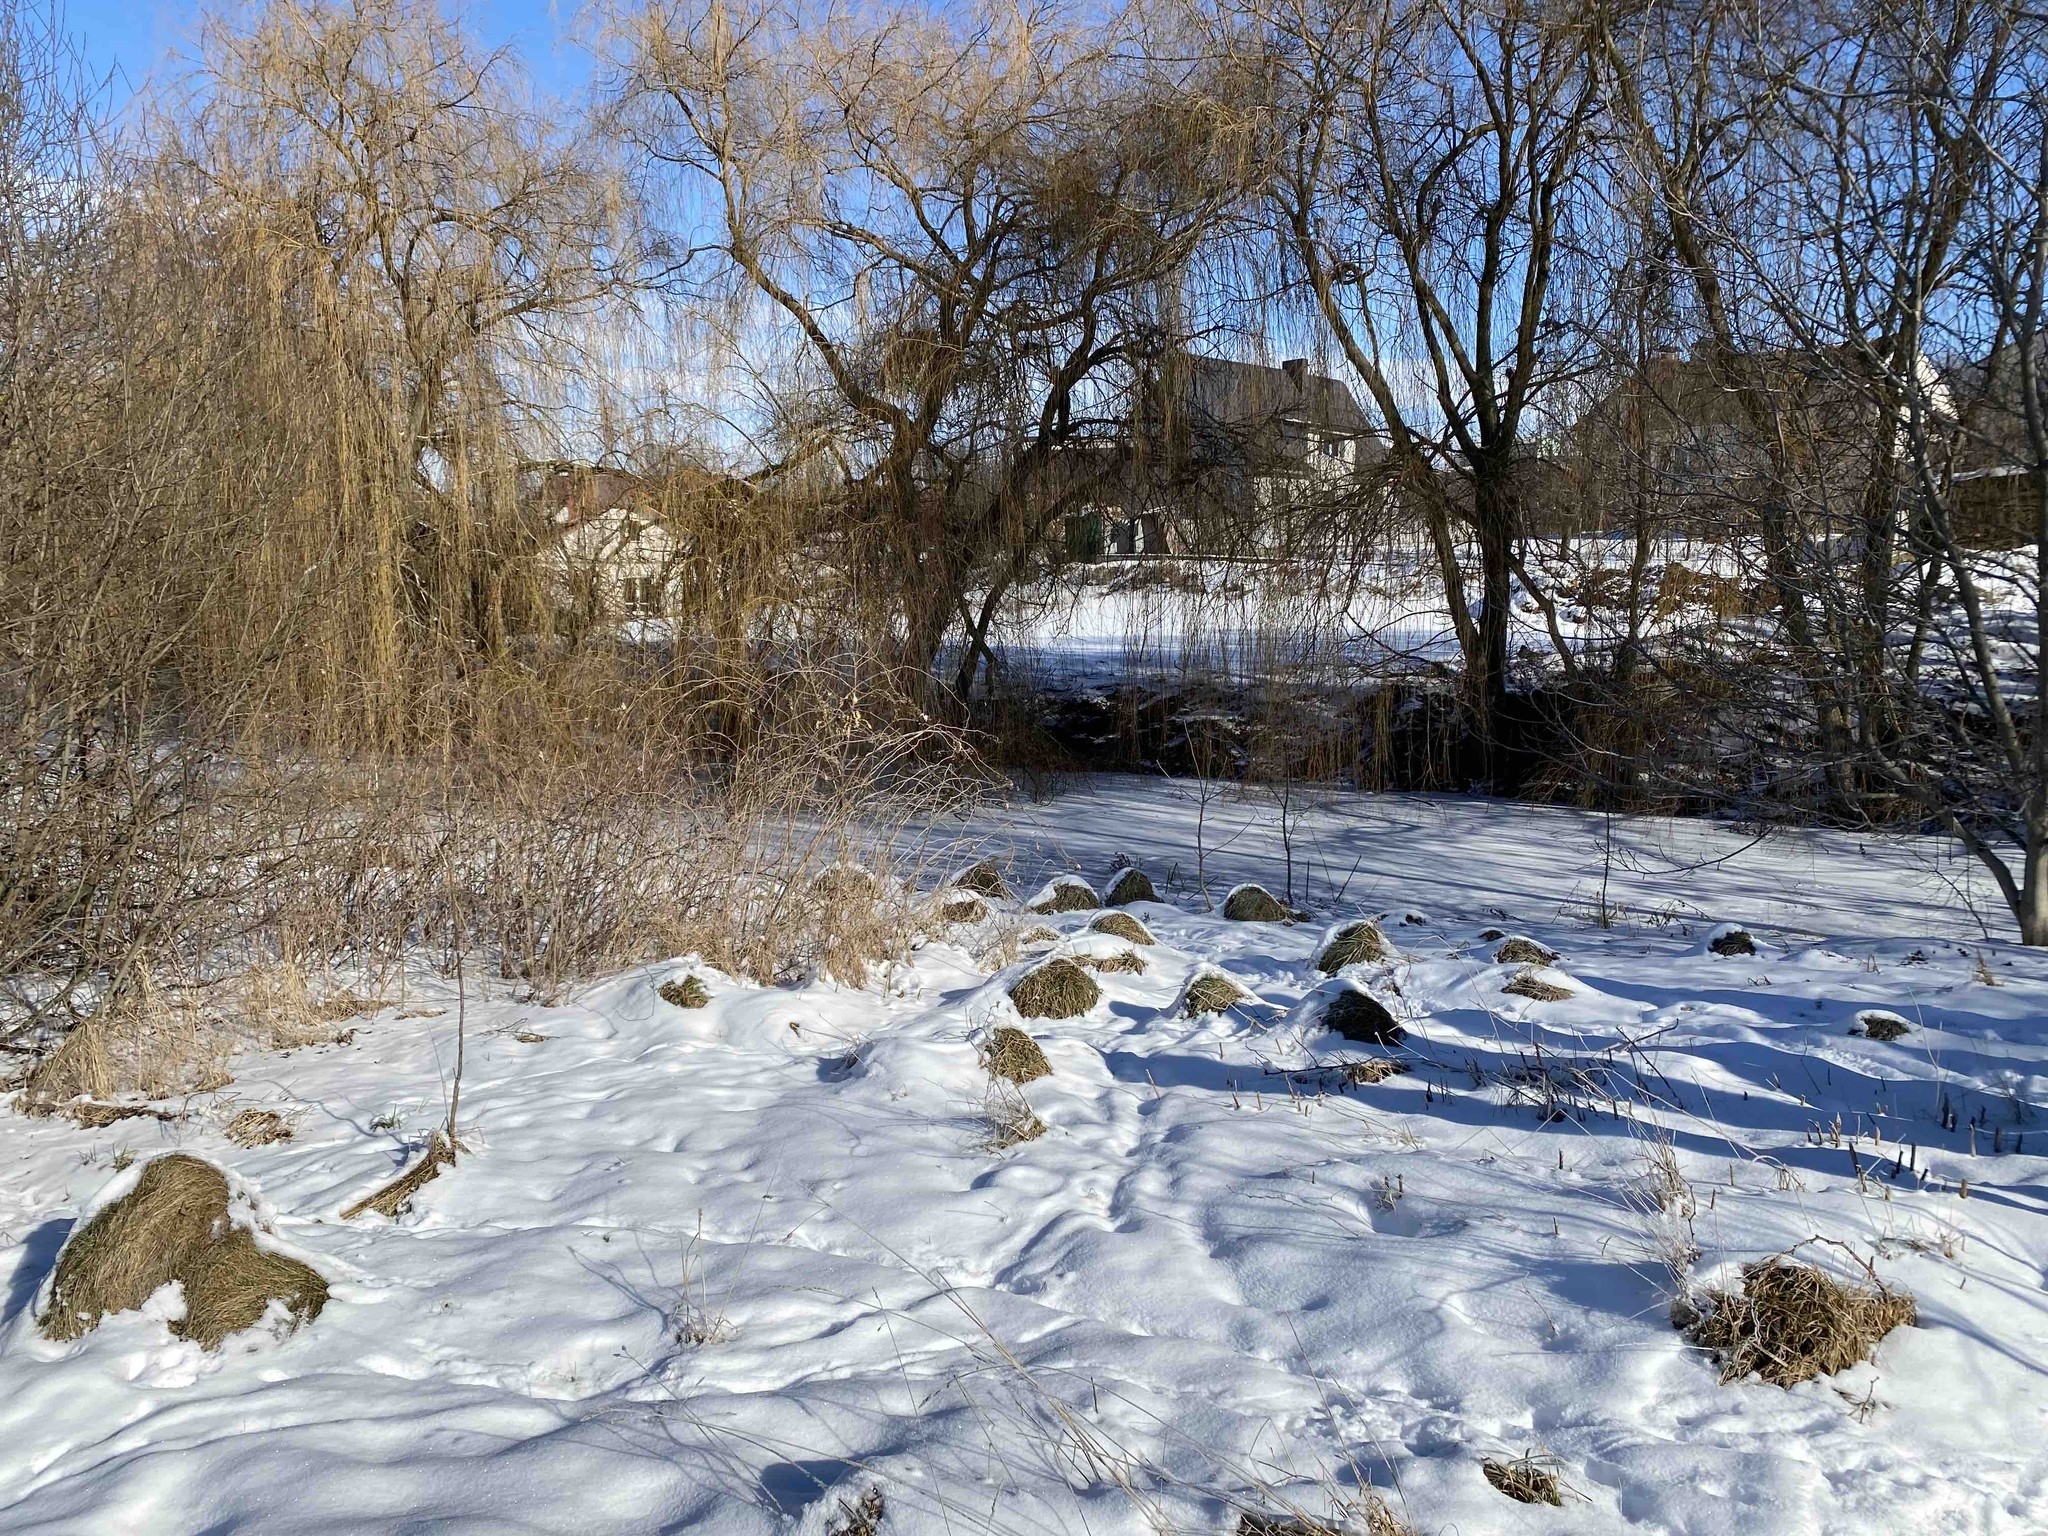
(1210, 991)
(1735, 941)
(175, 1225)
(1007, 1118)
(1527, 1479)
(861, 1516)
(395, 1198)
(984, 878)
(1011, 1054)
(963, 907)
(1531, 984)
(1360, 1017)
(1123, 926)
(1791, 1322)
(685, 992)
(258, 1128)
(1066, 893)
(1256, 904)
(1876, 1024)
(1127, 885)
(1520, 951)
(1124, 962)
(1376, 1070)
(1058, 989)
(1359, 943)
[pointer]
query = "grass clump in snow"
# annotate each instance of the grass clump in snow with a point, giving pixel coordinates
(982, 879)
(1011, 1054)
(1358, 1016)
(395, 1198)
(1007, 1119)
(258, 1128)
(1377, 1070)
(1530, 985)
(1879, 1025)
(685, 992)
(1520, 951)
(1528, 1479)
(963, 907)
(174, 1225)
(1353, 944)
(1066, 893)
(1123, 961)
(1127, 885)
(1733, 941)
(1058, 989)
(1123, 926)
(1211, 992)
(1793, 1322)
(1255, 904)
(859, 1517)
(846, 882)
(1369, 1516)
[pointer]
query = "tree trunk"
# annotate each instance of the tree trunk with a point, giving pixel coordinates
(1493, 515)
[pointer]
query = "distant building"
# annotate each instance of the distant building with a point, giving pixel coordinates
(614, 555)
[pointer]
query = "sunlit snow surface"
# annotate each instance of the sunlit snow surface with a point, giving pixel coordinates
(1201, 1289)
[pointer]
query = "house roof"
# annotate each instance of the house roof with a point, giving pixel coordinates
(1249, 395)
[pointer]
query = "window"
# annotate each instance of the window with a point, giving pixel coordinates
(642, 596)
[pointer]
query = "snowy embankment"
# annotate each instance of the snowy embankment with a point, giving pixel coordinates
(727, 1268)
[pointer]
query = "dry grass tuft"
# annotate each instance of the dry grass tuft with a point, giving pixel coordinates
(258, 1128)
(1211, 992)
(963, 907)
(859, 1517)
(1875, 1024)
(1353, 944)
(846, 882)
(1124, 962)
(1007, 1119)
(1369, 1516)
(685, 992)
(395, 1198)
(1362, 1018)
(1129, 884)
(1038, 934)
(1378, 1070)
(1733, 942)
(1793, 1322)
(1123, 926)
(1058, 989)
(1068, 893)
(1528, 1479)
(1530, 985)
(1523, 952)
(983, 879)
(1256, 904)
(1011, 1054)
(175, 1226)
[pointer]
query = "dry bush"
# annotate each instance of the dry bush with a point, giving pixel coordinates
(1256, 904)
(1007, 1119)
(1530, 985)
(1011, 1054)
(1360, 1017)
(685, 992)
(1067, 893)
(1124, 962)
(1123, 926)
(1520, 951)
(1212, 992)
(983, 879)
(1127, 885)
(175, 1225)
(1875, 1024)
(258, 1128)
(1792, 1322)
(1734, 942)
(1528, 1479)
(1058, 989)
(1353, 944)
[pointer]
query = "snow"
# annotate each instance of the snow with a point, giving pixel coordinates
(1209, 1285)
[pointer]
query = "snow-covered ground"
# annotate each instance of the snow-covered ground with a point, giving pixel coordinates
(726, 1268)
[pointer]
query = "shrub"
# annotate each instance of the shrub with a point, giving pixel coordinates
(1127, 885)
(1123, 926)
(1058, 989)
(1010, 1053)
(175, 1225)
(1793, 1322)
(1255, 904)
(1353, 944)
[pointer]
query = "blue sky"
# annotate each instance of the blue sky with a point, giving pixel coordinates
(133, 39)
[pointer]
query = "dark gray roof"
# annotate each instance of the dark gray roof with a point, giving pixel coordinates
(1248, 396)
